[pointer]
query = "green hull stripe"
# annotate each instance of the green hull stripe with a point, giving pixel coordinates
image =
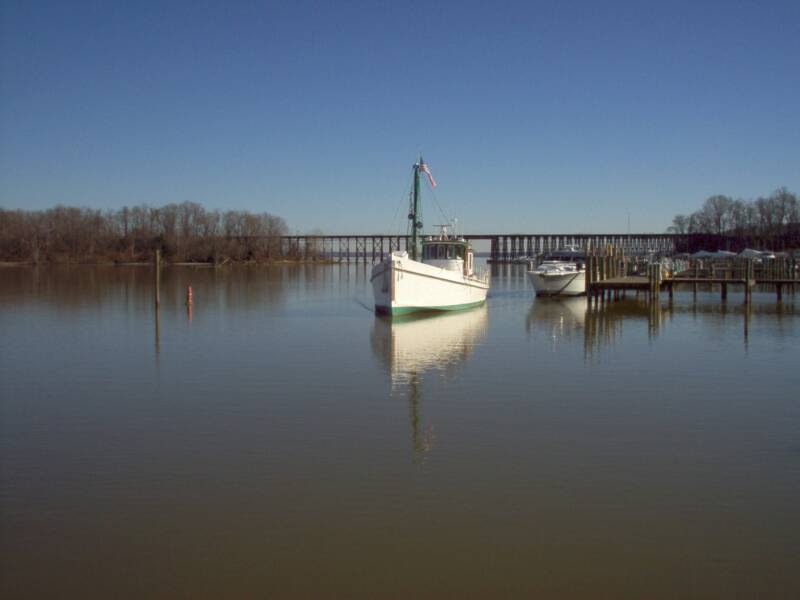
(404, 310)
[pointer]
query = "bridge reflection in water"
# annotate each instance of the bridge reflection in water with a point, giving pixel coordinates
(410, 346)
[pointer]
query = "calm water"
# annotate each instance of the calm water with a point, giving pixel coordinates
(282, 441)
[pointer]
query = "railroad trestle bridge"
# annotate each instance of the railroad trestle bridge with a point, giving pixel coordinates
(501, 247)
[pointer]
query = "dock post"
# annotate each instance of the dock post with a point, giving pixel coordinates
(602, 268)
(157, 275)
(751, 274)
(660, 280)
(653, 281)
(158, 330)
(588, 276)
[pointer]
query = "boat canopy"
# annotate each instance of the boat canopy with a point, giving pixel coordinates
(717, 254)
(567, 255)
(750, 253)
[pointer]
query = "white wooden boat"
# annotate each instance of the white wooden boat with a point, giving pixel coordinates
(440, 275)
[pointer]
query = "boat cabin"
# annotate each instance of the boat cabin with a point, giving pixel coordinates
(453, 254)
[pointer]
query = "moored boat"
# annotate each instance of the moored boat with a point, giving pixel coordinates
(561, 273)
(438, 274)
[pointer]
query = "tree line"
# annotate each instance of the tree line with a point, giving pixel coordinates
(183, 232)
(772, 217)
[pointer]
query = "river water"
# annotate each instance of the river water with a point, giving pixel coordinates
(282, 441)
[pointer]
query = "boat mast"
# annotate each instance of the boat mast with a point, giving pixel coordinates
(413, 216)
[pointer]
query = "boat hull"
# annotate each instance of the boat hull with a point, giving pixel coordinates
(558, 284)
(403, 286)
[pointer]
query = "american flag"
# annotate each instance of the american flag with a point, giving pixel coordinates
(424, 168)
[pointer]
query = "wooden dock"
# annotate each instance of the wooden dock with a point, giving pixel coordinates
(632, 282)
(609, 274)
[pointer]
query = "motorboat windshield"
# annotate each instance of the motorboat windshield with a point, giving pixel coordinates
(573, 255)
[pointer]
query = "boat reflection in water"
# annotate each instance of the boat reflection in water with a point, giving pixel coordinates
(560, 318)
(412, 345)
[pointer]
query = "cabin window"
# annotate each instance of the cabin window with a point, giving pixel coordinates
(460, 252)
(451, 252)
(442, 252)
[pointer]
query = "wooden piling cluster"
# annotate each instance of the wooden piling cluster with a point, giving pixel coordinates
(654, 279)
(609, 273)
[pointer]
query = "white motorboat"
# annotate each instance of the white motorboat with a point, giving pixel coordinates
(561, 273)
(439, 275)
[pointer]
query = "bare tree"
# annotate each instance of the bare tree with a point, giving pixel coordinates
(775, 219)
(680, 224)
(185, 231)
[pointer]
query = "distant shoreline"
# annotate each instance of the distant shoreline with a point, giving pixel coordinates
(164, 263)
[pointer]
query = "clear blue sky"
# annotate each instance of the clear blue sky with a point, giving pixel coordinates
(533, 116)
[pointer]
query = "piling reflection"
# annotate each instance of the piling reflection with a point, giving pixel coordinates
(606, 321)
(158, 330)
(602, 324)
(411, 346)
(781, 315)
(599, 324)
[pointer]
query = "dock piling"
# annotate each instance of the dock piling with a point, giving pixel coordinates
(157, 276)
